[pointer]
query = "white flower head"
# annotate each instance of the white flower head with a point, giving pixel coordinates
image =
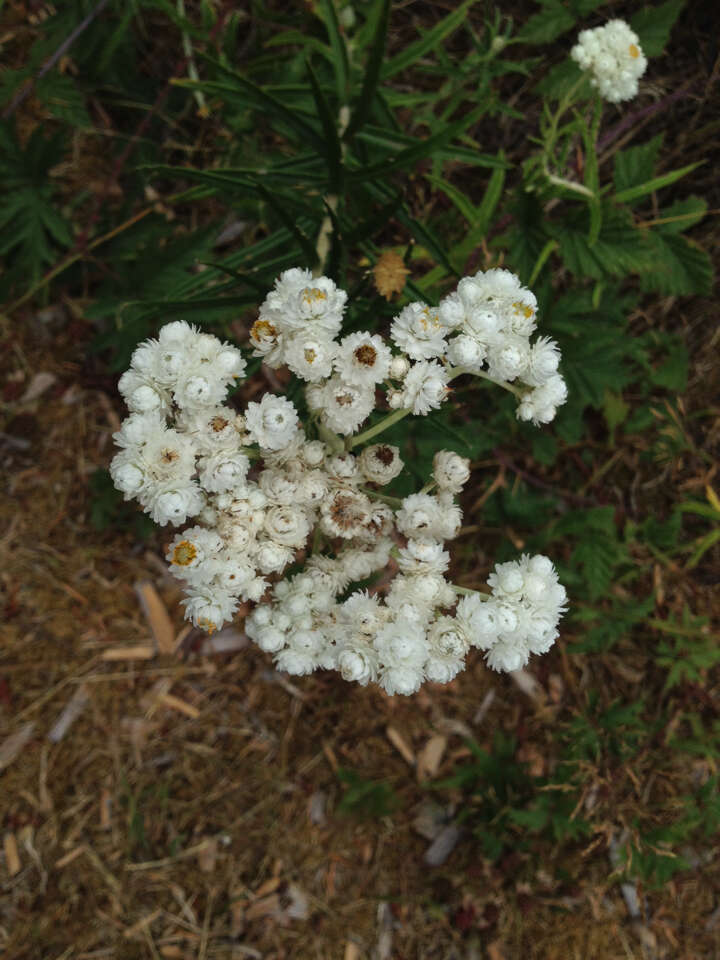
(380, 463)
(425, 387)
(310, 357)
(363, 359)
(272, 423)
(614, 59)
(419, 331)
(450, 470)
(343, 406)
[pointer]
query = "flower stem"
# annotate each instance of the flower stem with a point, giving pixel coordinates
(388, 421)
(467, 592)
(459, 371)
(395, 502)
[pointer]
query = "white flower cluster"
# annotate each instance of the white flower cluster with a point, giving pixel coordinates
(613, 56)
(262, 493)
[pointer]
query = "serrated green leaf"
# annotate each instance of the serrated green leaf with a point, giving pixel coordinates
(620, 248)
(547, 25)
(678, 266)
(636, 164)
(680, 216)
(653, 26)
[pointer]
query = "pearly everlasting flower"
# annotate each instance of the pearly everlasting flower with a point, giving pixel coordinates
(380, 463)
(272, 422)
(363, 359)
(614, 59)
(305, 499)
(310, 358)
(343, 406)
(425, 387)
(419, 332)
(450, 471)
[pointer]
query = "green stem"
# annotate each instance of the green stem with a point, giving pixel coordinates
(374, 495)
(459, 371)
(468, 592)
(385, 423)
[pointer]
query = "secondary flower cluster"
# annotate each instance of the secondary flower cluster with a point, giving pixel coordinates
(484, 328)
(614, 59)
(264, 491)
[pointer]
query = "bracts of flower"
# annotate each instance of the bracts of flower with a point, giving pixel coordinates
(263, 491)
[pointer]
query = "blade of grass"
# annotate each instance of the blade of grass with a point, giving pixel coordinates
(333, 149)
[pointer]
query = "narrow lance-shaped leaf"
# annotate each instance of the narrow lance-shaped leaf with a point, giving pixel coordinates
(333, 150)
(425, 44)
(253, 95)
(372, 70)
(339, 50)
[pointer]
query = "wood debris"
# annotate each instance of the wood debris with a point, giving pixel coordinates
(139, 652)
(157, 616)
(70, 713)
(182, 706)
(13, 744)
(12, 857)
(400, 744)
(430, 757)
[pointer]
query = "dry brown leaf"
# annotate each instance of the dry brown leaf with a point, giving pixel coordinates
(389, 273)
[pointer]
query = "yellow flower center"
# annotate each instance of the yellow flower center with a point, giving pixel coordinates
(429, 320)
(634, 52)
(207, 625)
(524, 309)
(313, 295)
(184, 553)
(218, 424)
(310, 355)
(263, 330)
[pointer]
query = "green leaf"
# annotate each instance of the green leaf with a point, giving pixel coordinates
(326, 9)
(426, 43)
(251, 95)
(678, 266)
(653, 26)
(657, 183)
(457, 197)
(560, 78)
(615, 410)
(547, 25)
(620, 248)
(673, 373)
(417, 152)
(333, 150)
(364, 104)
(681, 216)
(636, 164)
